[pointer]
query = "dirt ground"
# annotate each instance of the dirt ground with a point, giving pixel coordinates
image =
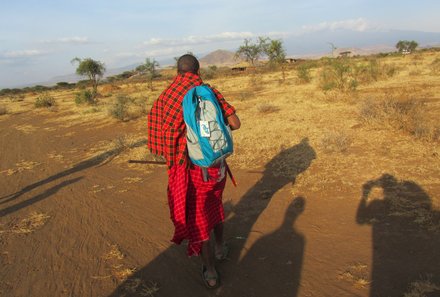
(75, 226)
(327, 204)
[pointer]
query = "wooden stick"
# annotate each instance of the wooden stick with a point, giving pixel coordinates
(228, 170)
(147, 162)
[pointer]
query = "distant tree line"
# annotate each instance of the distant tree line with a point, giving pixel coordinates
(406, 46)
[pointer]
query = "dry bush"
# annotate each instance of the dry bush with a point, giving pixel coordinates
(372, 70)
(44, 100)
(409, 115)
(16, 98)
(3, 110)
(255, 82)
(336, 141)
(435, 66)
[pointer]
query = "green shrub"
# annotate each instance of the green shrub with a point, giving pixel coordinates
(120, 108)
(85, 97)
(337, 73)
(44, 100)
(303, 72)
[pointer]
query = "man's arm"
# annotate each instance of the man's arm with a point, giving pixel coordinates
(234, 122)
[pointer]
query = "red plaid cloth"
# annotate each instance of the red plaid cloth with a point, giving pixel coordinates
(166, 128)
(195, 205)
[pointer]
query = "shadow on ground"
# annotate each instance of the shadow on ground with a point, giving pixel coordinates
(98, 160)
(271, 267)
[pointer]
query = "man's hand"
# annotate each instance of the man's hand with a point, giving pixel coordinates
(234, 122)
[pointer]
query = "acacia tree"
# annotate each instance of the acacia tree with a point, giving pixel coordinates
(406, 46)
(149, 69)
(276, 54)
(250, 51)
(94, 70)
(275, 51)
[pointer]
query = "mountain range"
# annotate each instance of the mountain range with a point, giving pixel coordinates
(313, 44)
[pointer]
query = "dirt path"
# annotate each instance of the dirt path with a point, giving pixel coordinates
(74, 222)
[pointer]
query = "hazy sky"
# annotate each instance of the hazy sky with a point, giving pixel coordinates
(39, 38)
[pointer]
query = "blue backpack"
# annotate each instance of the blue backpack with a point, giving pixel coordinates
(209, 139)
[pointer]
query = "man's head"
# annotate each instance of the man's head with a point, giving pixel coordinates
(188, 63)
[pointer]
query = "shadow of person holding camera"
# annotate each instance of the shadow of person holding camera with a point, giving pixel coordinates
(405, 236)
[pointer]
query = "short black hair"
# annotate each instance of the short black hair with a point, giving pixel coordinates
(188, 63)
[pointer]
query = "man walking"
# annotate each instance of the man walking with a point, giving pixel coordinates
(195, 205)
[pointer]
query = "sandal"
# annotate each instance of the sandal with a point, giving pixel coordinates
(207, 278)
(222, 254)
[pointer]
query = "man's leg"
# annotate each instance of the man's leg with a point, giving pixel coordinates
(208, 260)
(218, 233)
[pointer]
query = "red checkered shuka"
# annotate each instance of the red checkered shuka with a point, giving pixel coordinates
(166, 127)
(195, 205)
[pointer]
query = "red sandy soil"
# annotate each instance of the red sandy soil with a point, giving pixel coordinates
(281, 245)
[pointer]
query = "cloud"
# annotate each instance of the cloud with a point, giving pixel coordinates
(69, 40)
(192, 40)
(159, 52)
(76, 39)
(359, 24)
(22, 54)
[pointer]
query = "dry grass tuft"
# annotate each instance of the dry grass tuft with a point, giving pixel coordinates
(435, 66)
(256, 82)
(140, 287)
(336, 141)
(27, 129)
(20, 167)
(118, 271)
(131, 180)
(122, 274)
(357, 275)
(114, 253)
(266, 108)
(28, 225)
(422, 287)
